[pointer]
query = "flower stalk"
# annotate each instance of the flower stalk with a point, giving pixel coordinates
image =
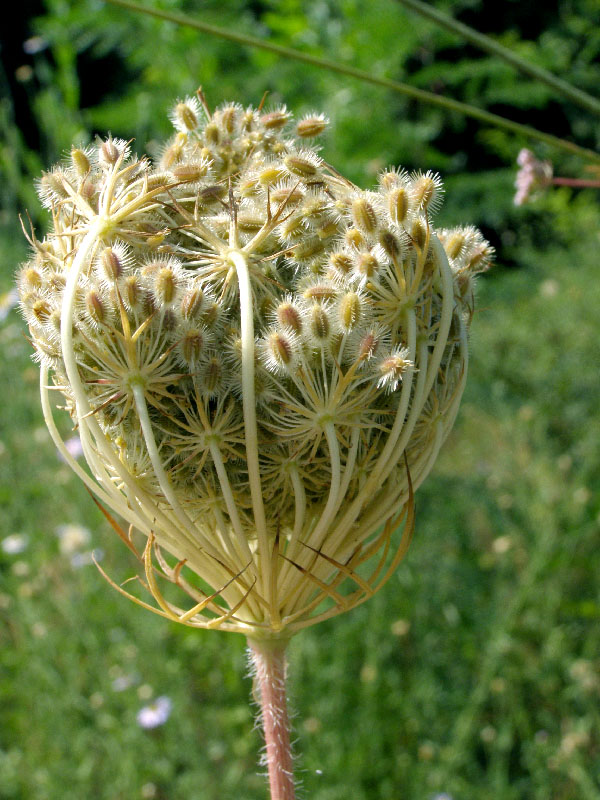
(269, 668)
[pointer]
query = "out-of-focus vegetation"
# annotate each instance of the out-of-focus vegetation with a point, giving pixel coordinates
(476, 671)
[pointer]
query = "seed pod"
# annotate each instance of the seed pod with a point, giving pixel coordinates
(192, 303)
(96, 307)
(327, 230)
(426, 191)
(366, 265)
(188, 173)
(80, 161)
(292, 229)
(165, 285)
(211, 194)
(132, 292)
(274, 120)
(88, 190)
(290, 195)
(398, 205)
(478, 260)
(53, 184)
(41, 310)
(229, 118)
(29, 279)
(213, 376)
(280, 349)
(109, 153)
(349, 311)
(249, 189)
(455, 244)
(392, 368)
(315, 208)
(173, 154)
(185, 116)
(391, 179)
(341, 263)
(302, 166)
(308, 248)
(288, 316)
(319, 324)
(354, 238)
(212, 134)
(311, 126)
(110, 264)
(249, 223)
(167, 320)
(57, 281)
(270, 175)
(369, 344)
(363, 215)
(248, 119)
(210, 314)
(320, 292)
(191, 345)
(419, 232)
(390, 244)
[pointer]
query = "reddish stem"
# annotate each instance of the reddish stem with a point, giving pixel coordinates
(576, 182)
(268, 659)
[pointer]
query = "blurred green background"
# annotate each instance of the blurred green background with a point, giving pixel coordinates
(476, 672)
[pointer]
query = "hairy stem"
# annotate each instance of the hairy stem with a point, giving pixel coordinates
(269, 668)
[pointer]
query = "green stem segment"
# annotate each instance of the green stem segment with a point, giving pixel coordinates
(268, 659)
(490, 45)
(421, 95)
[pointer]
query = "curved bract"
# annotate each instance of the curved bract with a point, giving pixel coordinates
(262, 359)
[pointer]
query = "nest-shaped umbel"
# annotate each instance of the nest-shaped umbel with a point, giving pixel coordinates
(262, 360)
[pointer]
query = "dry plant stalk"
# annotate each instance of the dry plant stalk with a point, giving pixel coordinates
(261, 359)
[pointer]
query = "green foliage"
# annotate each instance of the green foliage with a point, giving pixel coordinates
(476, 670)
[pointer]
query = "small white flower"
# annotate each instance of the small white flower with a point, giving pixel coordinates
(74, 447)
(123, 682)
(72, 538)
(15, 543)
(8, 300)
(155, 714)
(35, 44)
(84, 559)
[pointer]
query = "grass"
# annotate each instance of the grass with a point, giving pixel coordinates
(475, 672)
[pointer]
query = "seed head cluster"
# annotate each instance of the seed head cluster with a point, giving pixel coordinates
(262, 359)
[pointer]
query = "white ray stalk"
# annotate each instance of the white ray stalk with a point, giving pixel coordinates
(300, 508)
(373, 480)
(241, 540)
(315, 538)
(238, 259)
(386, 461)
(109, 498)
(159, 470)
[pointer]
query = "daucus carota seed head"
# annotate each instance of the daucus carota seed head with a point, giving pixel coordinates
(251, 348)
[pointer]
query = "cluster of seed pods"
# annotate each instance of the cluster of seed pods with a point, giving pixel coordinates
(262, 360)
